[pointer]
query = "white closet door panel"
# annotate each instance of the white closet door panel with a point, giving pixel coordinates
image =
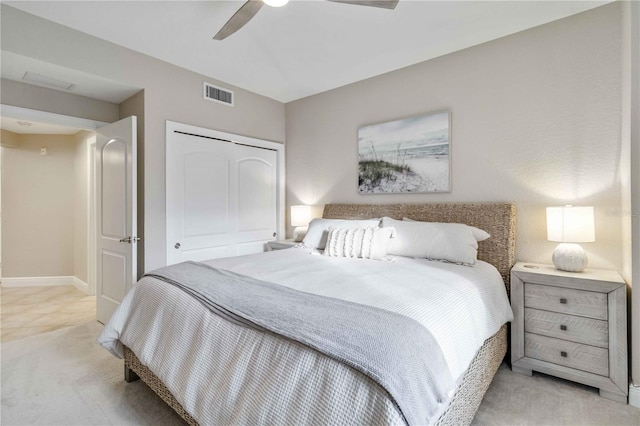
(201, 205)
(257, 188)
(222, 198)
(252, 248)
(206, 195)
(199, 255)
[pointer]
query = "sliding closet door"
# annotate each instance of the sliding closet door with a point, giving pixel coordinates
(256, 185)
(221, 198)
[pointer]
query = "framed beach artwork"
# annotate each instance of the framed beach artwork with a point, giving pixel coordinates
(406, 156)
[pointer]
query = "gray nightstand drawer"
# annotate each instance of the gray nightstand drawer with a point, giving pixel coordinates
(565, 300)
(570, 354)
(568, 327)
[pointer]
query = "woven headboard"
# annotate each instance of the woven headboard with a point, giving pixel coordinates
(498, 219)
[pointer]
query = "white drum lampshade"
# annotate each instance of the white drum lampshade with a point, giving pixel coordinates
(300, 217)
(570, 225)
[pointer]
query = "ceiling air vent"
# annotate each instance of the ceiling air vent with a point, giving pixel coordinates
(218, 94)
(44, 80)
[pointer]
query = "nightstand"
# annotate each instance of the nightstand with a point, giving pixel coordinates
(571, 325)
(281, 244)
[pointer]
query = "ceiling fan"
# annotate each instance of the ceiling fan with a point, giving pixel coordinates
(251, 7)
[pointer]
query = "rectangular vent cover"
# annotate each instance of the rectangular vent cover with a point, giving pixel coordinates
(218, 94)
(43, 80)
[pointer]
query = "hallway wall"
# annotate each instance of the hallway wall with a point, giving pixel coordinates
(45, 206)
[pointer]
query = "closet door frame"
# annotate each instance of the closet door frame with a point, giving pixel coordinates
(172, 127)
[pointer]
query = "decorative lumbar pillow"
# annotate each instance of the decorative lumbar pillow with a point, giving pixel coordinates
(477, 232)
(366, 243)
(450, 242)
(318, 231)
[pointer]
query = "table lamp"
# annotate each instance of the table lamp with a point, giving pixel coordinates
(300, 217)
(570, 225)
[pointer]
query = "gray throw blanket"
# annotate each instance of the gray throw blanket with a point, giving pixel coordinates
(395, 351)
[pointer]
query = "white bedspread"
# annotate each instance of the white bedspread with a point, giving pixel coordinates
(269, 379)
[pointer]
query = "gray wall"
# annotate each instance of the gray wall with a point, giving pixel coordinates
(536, 120)
(38, 207)
(45, 205)
(170, 93)
(633, 105)
(29, 96)
(8, 139)
(81, 180)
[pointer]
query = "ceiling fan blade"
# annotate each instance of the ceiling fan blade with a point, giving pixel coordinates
(239, 19)
(385, 4)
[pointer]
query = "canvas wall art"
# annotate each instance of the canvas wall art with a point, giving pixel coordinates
(405, 156)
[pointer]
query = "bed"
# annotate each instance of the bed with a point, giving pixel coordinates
(472, 376)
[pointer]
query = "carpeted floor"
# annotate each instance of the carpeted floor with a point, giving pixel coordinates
(64, 378)
(515, 399)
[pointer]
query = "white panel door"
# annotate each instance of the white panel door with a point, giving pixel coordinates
(200, 204)
(256, 186)
(116, 214)
(221, 198)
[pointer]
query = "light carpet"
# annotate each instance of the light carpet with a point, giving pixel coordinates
(65, 378)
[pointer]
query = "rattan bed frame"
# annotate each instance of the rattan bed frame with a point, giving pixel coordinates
(498, 219)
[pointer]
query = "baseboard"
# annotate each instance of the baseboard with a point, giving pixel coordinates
(80, 285)
(45, 282)
(634, 395)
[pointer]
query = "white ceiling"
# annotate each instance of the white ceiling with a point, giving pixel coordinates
(305, 47)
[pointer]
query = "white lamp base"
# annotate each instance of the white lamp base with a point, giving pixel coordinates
(570, 257)
(299, 232)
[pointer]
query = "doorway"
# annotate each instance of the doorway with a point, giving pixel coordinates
(48, 279)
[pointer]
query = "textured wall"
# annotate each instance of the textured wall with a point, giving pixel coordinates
(631, 212)
(38, 207)
(170, 93)
(535, 121)
(81, 179)
(8, 139)
(42, 99)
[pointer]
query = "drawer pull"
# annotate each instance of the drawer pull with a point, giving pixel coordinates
(563, 327)
(563, 301)
(563, 354)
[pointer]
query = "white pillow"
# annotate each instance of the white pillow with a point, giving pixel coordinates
(366, 243)
(450, 242)
(316, 236)
(477, 232)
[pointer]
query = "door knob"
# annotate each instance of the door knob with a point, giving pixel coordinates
(129, 240)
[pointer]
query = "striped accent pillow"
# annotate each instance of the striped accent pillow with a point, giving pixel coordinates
(316, 236)
(366, 243)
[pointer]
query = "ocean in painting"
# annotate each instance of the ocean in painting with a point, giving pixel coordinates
(410, 155)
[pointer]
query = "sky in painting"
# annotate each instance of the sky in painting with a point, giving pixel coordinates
(411, 130)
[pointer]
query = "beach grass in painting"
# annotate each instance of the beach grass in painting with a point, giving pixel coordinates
(409, 155)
